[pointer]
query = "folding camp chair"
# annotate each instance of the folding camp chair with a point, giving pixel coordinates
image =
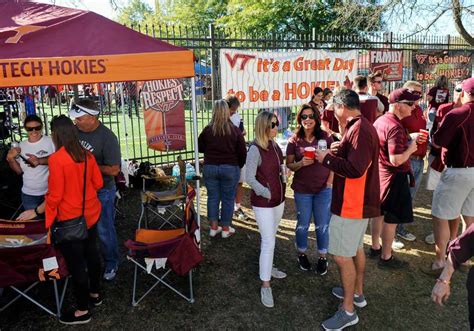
(170, 250)
(165, 207)
(27, 259)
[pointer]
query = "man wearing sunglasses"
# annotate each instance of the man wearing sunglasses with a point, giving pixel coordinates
(103, 144)
(454, 193)
(395, 174)
(371, 107)
(35, 178)
(375, 89)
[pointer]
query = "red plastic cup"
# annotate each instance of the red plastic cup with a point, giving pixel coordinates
(309, 152)
(425, 133)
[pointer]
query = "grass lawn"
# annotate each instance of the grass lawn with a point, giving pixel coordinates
(227, 287)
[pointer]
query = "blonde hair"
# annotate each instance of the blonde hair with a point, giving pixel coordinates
(263, 124)
(412, 84)
(220, 123)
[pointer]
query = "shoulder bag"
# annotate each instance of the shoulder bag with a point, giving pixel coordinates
(73, 229)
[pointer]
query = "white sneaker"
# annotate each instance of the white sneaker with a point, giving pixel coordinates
(396, 244)
(278, 273)
(267, 297)
(227, 234)
(429, 239)
(213, 233)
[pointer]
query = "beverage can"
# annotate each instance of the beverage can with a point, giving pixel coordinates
(322, 145)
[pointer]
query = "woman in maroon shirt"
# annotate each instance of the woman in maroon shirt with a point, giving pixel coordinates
(312, 185)
(317, 102)
(437, 95)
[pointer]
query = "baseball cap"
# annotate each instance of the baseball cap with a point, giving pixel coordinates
(76, 111)
(403, 95)
(468, 85)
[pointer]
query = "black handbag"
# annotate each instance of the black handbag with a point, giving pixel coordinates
(73, 229)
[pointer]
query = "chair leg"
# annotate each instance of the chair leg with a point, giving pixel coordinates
(134, 302)
(191, 294)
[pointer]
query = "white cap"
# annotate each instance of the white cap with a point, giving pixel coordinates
(76, 111)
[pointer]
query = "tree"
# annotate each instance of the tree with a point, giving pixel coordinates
(137, 12)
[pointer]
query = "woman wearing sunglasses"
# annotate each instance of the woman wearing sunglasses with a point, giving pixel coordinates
(264, 175)
(312, 184)
(35, 179)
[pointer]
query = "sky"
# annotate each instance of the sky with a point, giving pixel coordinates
(444, 26)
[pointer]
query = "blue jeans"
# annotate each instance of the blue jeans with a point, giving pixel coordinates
(221, 184)
(31, 201)
(319, 206)
(106, 229)
(417, 168)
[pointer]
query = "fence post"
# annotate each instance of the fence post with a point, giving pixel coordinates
(449, 40)
(213, 65)
(313, 36)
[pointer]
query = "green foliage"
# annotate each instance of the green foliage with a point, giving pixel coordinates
(264, 16)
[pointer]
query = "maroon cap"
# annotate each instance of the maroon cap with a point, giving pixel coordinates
(403, 95)
(468, 85)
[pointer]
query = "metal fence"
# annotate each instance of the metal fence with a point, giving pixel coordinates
(128, 123)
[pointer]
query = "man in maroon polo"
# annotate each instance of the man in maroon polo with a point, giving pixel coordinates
(395, 175)
(454, 194)
(413, 124)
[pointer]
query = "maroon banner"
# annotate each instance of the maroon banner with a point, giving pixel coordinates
(455, 65)
(389, 62)
(163, 106)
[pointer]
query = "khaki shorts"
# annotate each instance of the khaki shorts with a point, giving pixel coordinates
(454, 194)
(346, 235)
(433, 176)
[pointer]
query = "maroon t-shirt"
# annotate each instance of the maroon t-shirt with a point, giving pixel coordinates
(456, 134)
(414, 123)
(368, 108)
(328, 116)
(393, 140)
(439, 96)
(310, 179)
(462, 248)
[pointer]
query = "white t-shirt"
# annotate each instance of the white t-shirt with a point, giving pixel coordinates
(235, 119)
(35, 180)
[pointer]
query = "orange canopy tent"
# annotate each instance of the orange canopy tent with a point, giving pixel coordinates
(42, 44)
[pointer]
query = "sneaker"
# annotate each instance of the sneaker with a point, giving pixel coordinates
(213, 233)
(340, 320)
(429, 239)
(397, 244)
(227, 234)
(240, 215)
(95, 302)
(70, 319)
(267, 297)
(392, 263)
(374, 253)
(110, 274)
(322, 266)
(304, 262)
(278, 274)
(404, 234)
(359, 300)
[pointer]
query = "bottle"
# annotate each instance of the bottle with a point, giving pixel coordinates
(322, 144)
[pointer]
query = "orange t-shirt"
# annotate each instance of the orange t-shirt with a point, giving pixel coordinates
(65, 189)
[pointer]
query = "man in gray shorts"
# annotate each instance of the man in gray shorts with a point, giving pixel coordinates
(454, 194)
(355, 199)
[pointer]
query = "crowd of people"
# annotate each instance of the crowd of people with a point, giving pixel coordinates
(357, 158)
(71, 175)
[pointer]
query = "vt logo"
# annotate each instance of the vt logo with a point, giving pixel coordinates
(233, 60)
(420, 58)
(21, 31)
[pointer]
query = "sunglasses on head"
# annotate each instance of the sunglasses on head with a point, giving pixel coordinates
(77, 109)
(306, 116)
(277, 123)
(33, 128)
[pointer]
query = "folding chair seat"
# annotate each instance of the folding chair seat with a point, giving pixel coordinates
(168, 250)
(27, 260)
(167, 208)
